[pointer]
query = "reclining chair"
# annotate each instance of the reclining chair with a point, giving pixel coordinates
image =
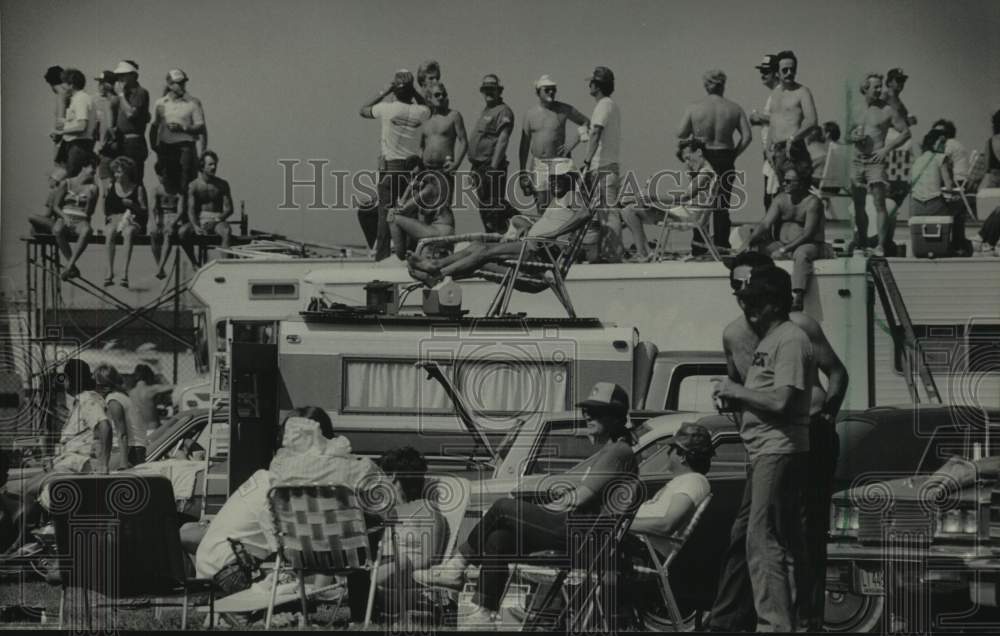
(687, 218)
(552, 260)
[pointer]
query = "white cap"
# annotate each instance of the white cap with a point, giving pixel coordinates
(124, 67)
(176, 75)
(544, 80)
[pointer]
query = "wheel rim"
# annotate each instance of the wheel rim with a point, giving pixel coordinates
(847, 612)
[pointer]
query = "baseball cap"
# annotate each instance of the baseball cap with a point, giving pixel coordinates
(543, 81)
(602, 74)
(124, 67)
(403, 78)
(176, 75)
(767, 281)
(767, 63)
(106, 77)
(694, 439)
(896, 73)
(490, 81)
(607, 395)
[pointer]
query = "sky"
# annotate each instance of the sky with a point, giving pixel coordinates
(285, 80)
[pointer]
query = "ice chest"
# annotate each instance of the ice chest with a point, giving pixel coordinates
(930, 236)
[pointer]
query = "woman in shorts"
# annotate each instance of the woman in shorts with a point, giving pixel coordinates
(74, 202)
(126, 212)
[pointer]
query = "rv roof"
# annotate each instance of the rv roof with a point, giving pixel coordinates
(403, 320)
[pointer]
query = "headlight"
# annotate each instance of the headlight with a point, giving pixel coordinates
(844, 520)
(957, 522)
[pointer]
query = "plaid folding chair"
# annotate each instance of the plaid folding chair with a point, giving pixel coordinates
(541, 264)
(320, 529)
(661, 563)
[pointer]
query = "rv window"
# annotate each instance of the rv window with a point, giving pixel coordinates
(695, 394)
(274, 290)
(391, 385)
(506, 387)
(562, 446)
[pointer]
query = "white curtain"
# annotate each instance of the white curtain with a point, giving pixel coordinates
(517, 388)
(487, 386)
(388, 384)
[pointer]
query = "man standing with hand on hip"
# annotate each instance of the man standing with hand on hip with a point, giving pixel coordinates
(601, 166)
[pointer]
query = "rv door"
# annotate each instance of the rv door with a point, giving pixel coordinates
(253, 410)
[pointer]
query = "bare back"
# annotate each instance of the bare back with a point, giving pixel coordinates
(438, 135)
(143, 399)
(547, 128)
(714, 119)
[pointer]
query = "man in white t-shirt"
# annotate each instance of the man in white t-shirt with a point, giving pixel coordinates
(78, 125)
(689, 457)
(601, 169)
(401, 121)
(768, 68)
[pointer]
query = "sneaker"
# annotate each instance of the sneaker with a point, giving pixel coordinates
(443, 575)
(287, 584)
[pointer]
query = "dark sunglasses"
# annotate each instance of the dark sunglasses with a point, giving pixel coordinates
(549, 89)
(439, 95)
(786, 71)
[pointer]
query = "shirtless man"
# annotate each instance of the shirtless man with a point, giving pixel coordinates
(793, 113)
(869, 174)
(895, 81)
(444, 144)
(733, 609)
(555, 221)
(544, 137)
(143, 396)
(715, 120)
(209, 203)
(797, 215)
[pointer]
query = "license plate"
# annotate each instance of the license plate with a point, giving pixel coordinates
(871, 580)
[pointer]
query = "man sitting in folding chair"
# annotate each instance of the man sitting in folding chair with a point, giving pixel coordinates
(562, 215)
(512, 529)
(697, 202)
(663, 523)
(310, 452)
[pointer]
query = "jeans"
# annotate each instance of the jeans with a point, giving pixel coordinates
(75, 154)
(134, 147)
(391, 183)
(491, 187)
(180, 162)
(508, 532)
(758, 574)
(824, 450)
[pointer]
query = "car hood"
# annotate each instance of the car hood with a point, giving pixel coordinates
(952, 482)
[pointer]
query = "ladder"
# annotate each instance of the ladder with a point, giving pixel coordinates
(901, 329)
(219, 401)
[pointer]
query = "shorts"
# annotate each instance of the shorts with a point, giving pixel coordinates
(445, 182)
(116, 223)
(544, 169)
(166, 224)
(864, 171)
(210, 222)
(76, 224)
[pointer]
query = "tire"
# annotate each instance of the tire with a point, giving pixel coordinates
(849, 612)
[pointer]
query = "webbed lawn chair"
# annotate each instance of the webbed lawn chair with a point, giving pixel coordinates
(834, 178)
(965, 189)
(541, 263)
(320, 529)
(689, 218)
(661, 558)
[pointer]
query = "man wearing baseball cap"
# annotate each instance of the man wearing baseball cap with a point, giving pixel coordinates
(178, 134)
(688, 457)
(732, 611)
(774, 399)
(601, 169)
(543, 136)
(768, 69)
(513, 528)
(488, 155)
(133, 115)
(401, 121)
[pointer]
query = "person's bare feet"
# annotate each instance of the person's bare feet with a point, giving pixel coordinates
(423, 264)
